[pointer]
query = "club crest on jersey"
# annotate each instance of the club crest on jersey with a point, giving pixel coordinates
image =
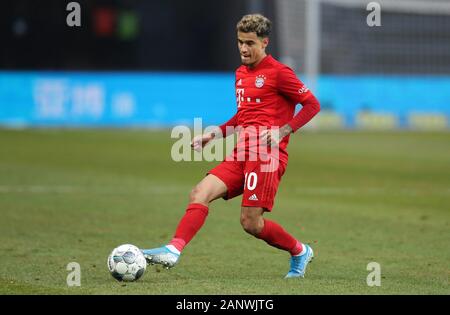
(259, 82)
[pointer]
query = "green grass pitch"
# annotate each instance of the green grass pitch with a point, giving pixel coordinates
(356, 197)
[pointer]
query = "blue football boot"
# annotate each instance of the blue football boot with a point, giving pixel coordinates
(166, 256)
(299, 263)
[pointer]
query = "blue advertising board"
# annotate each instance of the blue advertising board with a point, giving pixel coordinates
(151, 99)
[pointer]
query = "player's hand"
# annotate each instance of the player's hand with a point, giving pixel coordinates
(198, 142)
(270, 137)
(273, 137)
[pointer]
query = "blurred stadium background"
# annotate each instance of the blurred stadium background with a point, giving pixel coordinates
(85, 119)
(143, 63)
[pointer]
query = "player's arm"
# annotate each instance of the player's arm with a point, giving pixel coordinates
(290, 86)
(293, 88)
(310, 108)
(221, 131)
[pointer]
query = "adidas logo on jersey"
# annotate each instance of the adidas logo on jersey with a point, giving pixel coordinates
(253, 197)
(239, 82)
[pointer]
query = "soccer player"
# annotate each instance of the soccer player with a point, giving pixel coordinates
(267, 93)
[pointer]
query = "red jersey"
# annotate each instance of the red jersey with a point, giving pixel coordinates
(267, 95)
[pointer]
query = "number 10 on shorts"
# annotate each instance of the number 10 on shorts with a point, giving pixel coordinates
(251, 179)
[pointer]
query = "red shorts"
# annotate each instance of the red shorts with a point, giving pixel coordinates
(257, 181)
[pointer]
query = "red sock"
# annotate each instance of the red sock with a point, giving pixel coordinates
(189, 225)
(274, 235)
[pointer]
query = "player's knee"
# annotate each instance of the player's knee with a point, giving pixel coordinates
(197, 195)
(250, 225)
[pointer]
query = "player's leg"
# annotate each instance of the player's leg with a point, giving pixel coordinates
(275, 235)
(209, 189)
(258, 197)
(272, 233)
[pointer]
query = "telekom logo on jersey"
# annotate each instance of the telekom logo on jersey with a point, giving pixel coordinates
(246, 146)
(239, 96)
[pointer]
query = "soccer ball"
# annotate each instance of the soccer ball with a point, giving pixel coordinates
(126, 263)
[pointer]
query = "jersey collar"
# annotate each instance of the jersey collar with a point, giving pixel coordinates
(265, 60)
